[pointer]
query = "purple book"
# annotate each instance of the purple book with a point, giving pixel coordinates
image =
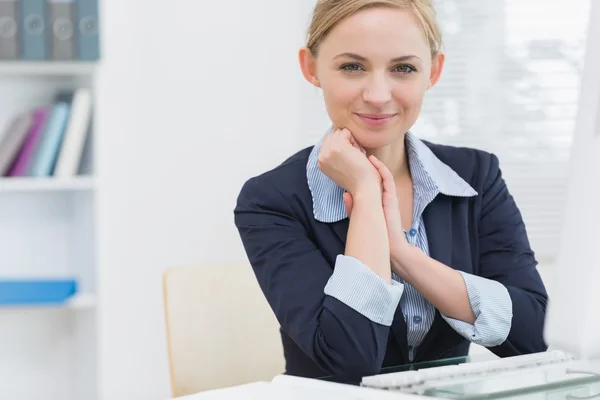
(23, 161)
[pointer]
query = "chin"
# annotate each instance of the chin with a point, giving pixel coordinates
(377, 138)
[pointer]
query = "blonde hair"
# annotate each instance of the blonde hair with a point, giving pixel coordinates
(328, 13)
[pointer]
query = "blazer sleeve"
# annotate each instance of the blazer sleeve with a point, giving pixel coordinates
(293, 275)
(506, 257)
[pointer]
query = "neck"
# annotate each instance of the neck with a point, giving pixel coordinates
(393, 156)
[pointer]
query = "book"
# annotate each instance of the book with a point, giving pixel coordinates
(13, 139)
(50, 141)
(71, 150)
(24, 159)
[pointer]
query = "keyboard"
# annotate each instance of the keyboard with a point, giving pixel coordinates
(508, 376)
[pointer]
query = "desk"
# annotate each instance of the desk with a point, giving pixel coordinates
(285, 387)
(292, 388)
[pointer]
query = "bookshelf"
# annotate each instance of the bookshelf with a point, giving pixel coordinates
(48, 231)
(46, 184)
(32, 68)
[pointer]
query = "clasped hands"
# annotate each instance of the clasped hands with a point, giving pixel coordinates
(345, 162)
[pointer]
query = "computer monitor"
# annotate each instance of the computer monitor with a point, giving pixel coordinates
(573, 313)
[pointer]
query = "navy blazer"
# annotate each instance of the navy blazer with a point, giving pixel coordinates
(293, 256)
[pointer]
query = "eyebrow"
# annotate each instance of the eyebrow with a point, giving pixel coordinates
(361, 58)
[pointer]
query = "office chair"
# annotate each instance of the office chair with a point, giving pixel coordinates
(221, 331)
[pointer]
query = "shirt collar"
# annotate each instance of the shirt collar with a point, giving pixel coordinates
(430, 177)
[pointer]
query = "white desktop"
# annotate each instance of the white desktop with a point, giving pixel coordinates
(572, 328)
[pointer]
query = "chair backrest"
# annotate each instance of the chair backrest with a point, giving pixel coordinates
(221, 331)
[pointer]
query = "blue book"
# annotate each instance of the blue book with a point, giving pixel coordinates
(54, 131)
(36, 291)
(34, 29)
(88, 42)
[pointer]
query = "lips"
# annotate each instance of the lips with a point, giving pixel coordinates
(375, 116)
(376, 119)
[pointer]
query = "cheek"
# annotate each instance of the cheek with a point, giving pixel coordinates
(341, 91)
(409, 94)
(339, 94)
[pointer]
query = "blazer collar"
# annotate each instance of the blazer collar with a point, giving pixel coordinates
(430, 177)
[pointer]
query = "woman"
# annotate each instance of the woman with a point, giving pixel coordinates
(375, 248)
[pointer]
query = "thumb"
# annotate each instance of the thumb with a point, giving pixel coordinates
(348, 203)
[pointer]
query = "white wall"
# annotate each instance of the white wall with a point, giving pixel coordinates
(194, 97)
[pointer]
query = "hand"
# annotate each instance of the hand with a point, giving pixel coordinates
(344, 161)
(399, 246)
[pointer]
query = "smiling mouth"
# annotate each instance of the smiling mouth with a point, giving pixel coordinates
(376, 119)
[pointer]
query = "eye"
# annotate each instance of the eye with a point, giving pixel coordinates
(404, 69)
(351, 67)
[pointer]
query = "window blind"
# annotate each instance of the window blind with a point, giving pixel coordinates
(510, 86)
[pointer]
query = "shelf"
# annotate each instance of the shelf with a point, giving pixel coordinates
(81, 301)
(46, 68)
(46, 184)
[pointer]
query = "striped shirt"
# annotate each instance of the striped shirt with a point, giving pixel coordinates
(360, 288)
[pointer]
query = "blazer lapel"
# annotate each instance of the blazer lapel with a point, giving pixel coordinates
(437, 218)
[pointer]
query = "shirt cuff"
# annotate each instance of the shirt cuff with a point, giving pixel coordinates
(492, 307)
(361, 289)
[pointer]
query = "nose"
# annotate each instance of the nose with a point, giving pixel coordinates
(377, 90)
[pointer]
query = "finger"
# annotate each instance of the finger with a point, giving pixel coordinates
(386, 175)
(330, 140)
(355, 144)
(348, 203)
(347, 137)
(345, 133)
(332, 136)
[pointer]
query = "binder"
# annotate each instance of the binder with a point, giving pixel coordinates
(88, 46)
(62, 29)
(9, 29)
(34, 30)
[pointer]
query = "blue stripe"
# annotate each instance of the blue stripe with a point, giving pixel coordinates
(351, 280)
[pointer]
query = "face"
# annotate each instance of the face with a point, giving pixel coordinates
(374, 69)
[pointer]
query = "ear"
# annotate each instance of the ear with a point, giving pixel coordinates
(437, 65)
(308, 64)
